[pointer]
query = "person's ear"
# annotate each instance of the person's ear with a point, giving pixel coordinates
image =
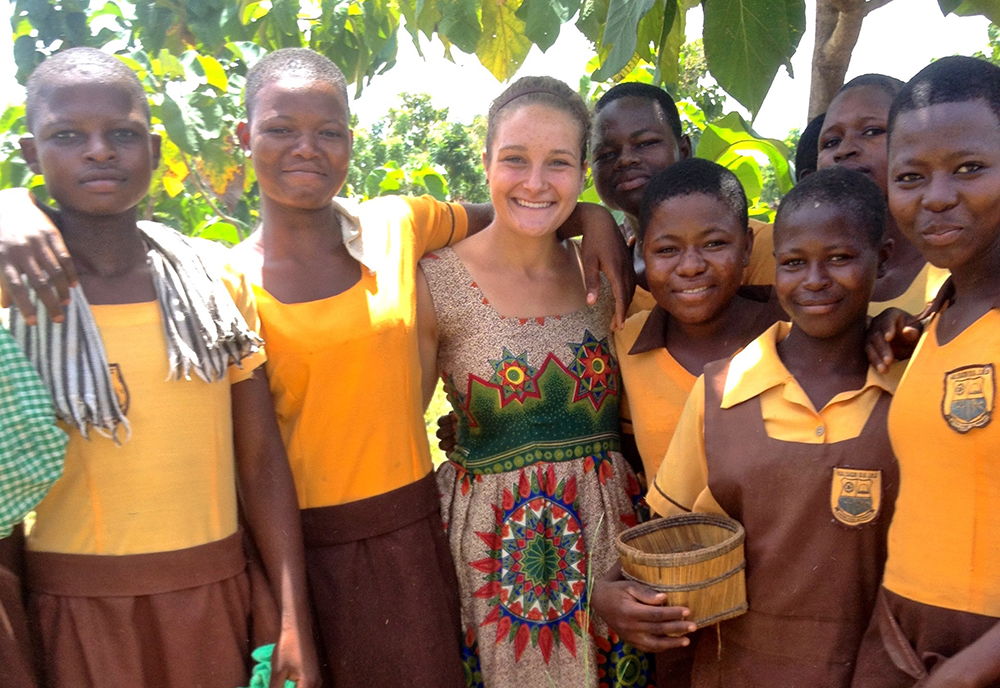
(30, 153)
(155, 142)
(884, 252)
(243, 136)
(684, 148)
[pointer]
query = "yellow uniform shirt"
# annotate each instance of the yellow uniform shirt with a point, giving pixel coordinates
(172, 485)
(944, 540)
(921, 292)
(681, 483)
(656, 386)
(345, 371)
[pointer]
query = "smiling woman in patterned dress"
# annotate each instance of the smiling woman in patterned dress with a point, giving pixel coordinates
(536, 490)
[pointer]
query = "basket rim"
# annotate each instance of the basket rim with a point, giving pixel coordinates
(673, 559)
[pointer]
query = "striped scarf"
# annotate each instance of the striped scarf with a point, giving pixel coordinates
(204, 329)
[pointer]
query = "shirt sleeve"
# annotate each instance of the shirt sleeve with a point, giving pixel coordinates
(239, 288)
(437, 224)
(761, 267)
(681, 483)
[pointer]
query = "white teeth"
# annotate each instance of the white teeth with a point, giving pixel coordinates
(529, 204)
(694, 291)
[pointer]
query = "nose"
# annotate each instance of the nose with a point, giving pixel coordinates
(99, 149)
(847, 148)
(817, 277)
(535, 180)
(691, 263)
(939, 194)
(626, 157)
(305, 147)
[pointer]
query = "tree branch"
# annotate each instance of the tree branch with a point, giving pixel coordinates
(838, 24)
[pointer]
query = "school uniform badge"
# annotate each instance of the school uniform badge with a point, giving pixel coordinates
(855, 495)
(969, 395)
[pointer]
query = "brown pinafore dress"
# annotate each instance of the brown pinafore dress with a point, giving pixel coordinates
(816, 518)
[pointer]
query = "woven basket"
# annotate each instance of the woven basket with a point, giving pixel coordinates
(696, 559)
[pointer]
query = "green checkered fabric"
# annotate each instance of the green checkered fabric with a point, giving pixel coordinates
(32, 448)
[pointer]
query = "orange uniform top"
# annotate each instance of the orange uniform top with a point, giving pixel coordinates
(944, 541)
(656, 386)
(345, 371)
(921, 292)
(173, 484)
(681, 484)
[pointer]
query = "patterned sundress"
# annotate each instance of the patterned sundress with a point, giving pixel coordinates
(536, 490)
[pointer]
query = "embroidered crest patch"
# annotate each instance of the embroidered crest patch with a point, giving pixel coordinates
(855, 495)
(969, 394)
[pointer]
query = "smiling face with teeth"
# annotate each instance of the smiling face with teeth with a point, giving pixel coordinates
(695, 249)
(534, 168)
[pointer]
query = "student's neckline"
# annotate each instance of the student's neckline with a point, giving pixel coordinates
(958, 335)
(312, 301)
(540, 319)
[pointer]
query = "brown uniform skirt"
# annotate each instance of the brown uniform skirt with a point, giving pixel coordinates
(384, 591)
(15, 649)
(162, 620)
(906, 640)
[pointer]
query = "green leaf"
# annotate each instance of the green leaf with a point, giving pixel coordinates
(967, 8)
(503, 45)
(174, 121)
(543, 20)
(747, 40)
(620, 32)
(373, 182)
(221, 231)
(460, 23)
(593, 16)
(731, 143)
(214, 73)
(669, 49)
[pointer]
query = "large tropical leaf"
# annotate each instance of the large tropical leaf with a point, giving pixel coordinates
(747, 40)
(503, 45)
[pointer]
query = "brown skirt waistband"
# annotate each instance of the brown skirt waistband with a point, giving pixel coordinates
(366, 518)
(94, 575)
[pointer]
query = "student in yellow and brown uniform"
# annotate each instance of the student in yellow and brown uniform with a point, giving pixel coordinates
(636, 135)
(936, 623)
(134, 566)
(854, 136)
(695, 244)
(788, 437)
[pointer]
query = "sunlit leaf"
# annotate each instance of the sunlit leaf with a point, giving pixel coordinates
(730, 142)
(176, 125)
(503, 45)
(214, 73)
(966, 8)
(747, 40)
(221, 231)
(542, 21)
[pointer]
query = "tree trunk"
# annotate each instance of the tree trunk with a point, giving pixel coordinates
(838, 24)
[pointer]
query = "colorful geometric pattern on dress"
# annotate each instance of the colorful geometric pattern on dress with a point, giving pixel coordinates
(470, 660)
(535, 571)
(595, 370)
(515, 378)
(619, 665)
(561, 413)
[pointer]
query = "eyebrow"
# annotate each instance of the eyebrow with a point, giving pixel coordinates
(562, 151)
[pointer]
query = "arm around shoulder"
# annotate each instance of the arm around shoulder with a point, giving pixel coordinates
(427, 335)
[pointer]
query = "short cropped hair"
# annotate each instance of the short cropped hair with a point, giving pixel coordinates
(949, 80)
(637, 89)
(850, 192)
(74, 65)
(298, 62)
(890, 84)
(693, 176)
(539, 90)
(807, 151)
